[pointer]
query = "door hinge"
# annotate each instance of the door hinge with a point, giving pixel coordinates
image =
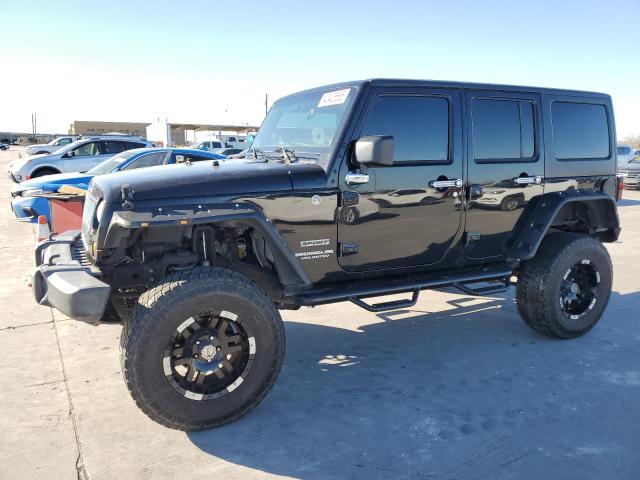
(349, 198)
(347, 249)
(472, 237)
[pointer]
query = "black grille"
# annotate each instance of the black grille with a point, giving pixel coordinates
(78, 253)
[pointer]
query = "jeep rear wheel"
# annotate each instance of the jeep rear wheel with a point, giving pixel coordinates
(202, 349)
(563, 291)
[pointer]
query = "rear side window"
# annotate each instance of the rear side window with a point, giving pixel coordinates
(147, 160)
(113, 147)
(131, 145)
(419, 126)
(580, 131)
(503, 130)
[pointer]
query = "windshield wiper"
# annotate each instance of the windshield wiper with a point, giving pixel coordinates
(255, 152)
(288, 154)
(285, 154)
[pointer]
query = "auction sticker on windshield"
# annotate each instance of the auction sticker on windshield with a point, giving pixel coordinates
(334, 98)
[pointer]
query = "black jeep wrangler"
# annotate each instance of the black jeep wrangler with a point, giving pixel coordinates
(348, 192)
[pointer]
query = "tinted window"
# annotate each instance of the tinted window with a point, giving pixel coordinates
(419, 126)
(131, 145)
(147, 160)
(580, 130)
(503, 130)
(114, 147)
(624, 150)
(181, 158)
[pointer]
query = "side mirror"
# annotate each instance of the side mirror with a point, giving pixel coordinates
(375, 150)
(70, 154)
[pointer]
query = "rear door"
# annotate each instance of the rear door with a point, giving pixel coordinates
(399, 218)
(505, 167)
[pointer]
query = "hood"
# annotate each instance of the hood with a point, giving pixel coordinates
(58, 179)
(203, 179)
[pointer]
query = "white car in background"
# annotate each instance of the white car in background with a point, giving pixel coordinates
(52, 146)
(76, 157)
(625, 154)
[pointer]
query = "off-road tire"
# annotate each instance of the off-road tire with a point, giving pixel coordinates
(540, 280)
(162, 309)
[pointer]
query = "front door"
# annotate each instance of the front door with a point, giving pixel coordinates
(505, 166)
(407, 214)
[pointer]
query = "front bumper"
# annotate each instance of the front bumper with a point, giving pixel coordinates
(66, 281)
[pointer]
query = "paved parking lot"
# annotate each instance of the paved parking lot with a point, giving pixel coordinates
(454, 388)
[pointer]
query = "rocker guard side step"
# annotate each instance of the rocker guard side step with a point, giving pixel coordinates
(358, 290)
(385, 306)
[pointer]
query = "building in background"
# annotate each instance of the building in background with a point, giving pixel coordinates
(83, 127)
(164, 134)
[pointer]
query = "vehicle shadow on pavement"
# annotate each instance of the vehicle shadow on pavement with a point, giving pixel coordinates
(468, 392)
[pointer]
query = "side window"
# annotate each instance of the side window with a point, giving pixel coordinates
(113, 147)
(87, 149)
(132, 145)
(503, 130)
(147, 160)
(419, 126)
(63, 141)
(181, 158)
(624, 150)
(580, 131)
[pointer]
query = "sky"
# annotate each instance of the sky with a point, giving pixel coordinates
(213, 62)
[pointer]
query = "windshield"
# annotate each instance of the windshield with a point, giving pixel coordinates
(110, 164)
(305, 123)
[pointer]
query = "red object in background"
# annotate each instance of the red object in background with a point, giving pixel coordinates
(619, 187)
(66, 214)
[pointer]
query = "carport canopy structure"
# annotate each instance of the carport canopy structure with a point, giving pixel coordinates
(179, 130)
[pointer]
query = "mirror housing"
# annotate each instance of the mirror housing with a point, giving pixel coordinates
(374, 150)
(69, 154)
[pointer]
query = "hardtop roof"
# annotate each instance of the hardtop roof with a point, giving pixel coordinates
(396, 82)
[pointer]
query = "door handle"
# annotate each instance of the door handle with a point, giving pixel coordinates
(537, 180)
(356, 178)
(456, 182)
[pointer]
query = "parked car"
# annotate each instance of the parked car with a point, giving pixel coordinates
(28, 203)
(630, 173)
(4, 146)
(52, 146)
(625, 155)
(209, 145)
(226, 151)
(197, 261)
(77, 156)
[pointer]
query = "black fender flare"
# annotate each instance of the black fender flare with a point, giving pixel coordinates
(545, 211)
(286, 264)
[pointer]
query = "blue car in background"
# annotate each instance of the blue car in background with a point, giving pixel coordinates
(27, 208)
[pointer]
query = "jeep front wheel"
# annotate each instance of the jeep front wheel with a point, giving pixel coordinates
(563, 291)
(202, 349)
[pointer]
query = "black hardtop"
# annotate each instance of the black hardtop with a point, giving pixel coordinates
(396, 82)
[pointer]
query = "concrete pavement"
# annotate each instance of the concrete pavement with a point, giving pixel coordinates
(455, 387)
